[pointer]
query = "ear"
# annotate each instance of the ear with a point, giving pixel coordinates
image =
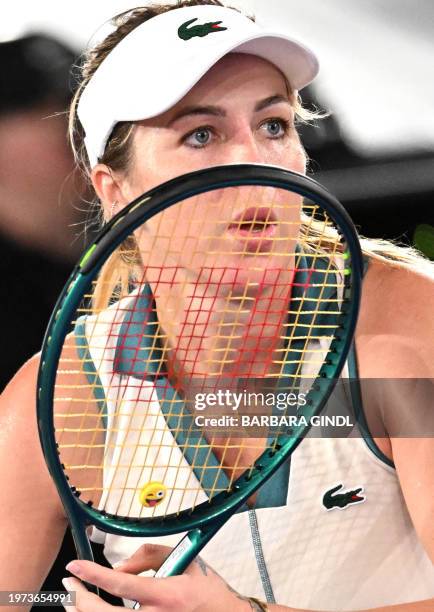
(110, 188)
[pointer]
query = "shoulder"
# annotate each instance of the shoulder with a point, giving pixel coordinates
(18, 423)
(19, 397)
(21, 458)
(19, 426)
(395, 333)
(21, 391)
(397, 297)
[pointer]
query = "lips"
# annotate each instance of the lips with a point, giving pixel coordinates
(255, 227)
(151, 502)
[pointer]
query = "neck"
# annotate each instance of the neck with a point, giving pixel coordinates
(233, 335)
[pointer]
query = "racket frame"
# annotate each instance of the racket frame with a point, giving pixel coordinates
(208, 517)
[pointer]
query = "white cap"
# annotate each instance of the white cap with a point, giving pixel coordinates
(158, 63)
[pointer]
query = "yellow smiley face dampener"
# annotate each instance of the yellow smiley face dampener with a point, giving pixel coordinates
(152, 494)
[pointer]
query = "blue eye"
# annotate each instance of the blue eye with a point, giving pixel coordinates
(199, 137)
(276, 128)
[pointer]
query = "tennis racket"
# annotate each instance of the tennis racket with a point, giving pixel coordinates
(216, 283)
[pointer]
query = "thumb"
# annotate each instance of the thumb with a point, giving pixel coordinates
(147, 557)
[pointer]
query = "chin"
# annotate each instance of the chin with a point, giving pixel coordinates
(249, 277)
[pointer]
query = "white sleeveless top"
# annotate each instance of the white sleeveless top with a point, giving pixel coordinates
(299, 554)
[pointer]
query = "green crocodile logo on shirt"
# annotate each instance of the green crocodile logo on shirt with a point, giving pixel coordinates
(333, 499)
(185, 32)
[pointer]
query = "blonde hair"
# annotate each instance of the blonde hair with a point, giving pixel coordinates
(117, 156)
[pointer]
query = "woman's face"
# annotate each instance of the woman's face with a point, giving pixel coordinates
(235, 238)
(238, 112)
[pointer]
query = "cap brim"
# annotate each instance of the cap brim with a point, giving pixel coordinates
(298, 65)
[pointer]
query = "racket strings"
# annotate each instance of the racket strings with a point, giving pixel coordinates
(164, 272)
(132, 426)
(224, 356)
(222, 359)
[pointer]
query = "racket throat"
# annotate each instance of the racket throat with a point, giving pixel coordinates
(184, 553)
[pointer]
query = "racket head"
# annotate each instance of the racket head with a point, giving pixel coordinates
(62, 359)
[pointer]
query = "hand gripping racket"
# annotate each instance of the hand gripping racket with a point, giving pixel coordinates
(216, 283)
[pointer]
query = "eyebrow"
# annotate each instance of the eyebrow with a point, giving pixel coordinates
(218, 111)
(276, 99)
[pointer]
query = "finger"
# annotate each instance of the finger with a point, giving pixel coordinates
(147, 557)
(84, 600)
(145, 590)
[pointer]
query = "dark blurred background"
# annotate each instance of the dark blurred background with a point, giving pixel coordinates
(42, 212)
(388, 196)
(40, 197)
(385, 182)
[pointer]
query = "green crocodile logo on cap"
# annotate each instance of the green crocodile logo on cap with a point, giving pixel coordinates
(185, 32)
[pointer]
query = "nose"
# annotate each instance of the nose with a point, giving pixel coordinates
(243, 148)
